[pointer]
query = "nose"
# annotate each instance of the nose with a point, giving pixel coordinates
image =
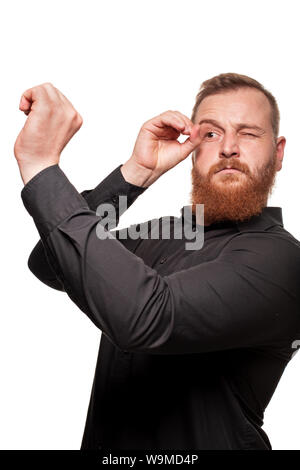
(229, 147)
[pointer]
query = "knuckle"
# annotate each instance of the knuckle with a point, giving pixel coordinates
(75, 118)
(73, 114)
(38, 89)
(48, 85)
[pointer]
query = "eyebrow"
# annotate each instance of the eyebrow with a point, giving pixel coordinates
(242, 125)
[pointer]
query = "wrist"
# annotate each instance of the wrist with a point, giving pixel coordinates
(29, 170)
(135, 174)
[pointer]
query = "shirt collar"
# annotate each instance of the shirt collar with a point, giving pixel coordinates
(269, 217)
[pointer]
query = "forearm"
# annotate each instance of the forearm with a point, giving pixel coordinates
(108, 191)
(101, 276)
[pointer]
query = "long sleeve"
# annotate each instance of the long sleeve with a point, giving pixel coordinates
(106, 192)
(247, 296)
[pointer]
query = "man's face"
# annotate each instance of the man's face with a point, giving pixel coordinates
(236, 132)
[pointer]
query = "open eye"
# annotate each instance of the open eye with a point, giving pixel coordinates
(210, 132)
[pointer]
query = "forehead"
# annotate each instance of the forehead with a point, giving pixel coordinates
(242, 105)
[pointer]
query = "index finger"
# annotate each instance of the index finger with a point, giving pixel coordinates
(34, 93)
(188, 122)
(29, 96)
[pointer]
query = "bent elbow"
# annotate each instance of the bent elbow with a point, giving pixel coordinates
(43, 272)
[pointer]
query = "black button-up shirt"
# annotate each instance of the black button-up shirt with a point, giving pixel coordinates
(194, 342)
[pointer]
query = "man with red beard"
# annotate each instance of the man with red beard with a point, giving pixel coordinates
(235, 166)
(194, 342)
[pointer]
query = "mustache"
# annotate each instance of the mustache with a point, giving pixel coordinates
(229, 165)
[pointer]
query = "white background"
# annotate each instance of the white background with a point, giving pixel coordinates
(120, 63)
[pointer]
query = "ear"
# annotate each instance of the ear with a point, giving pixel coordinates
(281, 141)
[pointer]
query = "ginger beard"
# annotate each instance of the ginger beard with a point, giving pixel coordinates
(232, 196)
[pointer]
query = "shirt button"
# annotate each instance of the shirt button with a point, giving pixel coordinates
(163, 260)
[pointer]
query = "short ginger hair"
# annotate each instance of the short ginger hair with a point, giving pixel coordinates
(234, 81)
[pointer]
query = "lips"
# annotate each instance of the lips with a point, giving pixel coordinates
(229, 168)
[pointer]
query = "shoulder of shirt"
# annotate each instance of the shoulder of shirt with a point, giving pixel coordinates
(265, 234)
(270, 224)
(267, 226)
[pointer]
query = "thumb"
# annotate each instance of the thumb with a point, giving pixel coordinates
(25, 105)
(192, 142)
